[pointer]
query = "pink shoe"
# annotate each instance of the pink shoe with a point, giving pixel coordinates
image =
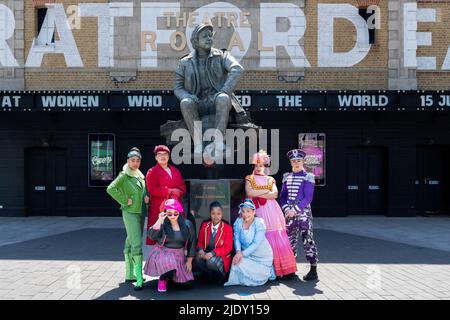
(162, 285)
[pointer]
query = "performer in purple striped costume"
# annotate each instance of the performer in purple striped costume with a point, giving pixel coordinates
(295, 200)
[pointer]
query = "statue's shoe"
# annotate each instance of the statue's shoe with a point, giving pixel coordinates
(243, 121)
(244, 126)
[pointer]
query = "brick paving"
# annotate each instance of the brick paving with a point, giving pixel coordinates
(360, 258)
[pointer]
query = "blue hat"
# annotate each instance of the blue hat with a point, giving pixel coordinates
(296, 154)
(134, 152)
(248, 203)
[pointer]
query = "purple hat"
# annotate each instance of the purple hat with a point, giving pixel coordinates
(296, 154)
(173, 204)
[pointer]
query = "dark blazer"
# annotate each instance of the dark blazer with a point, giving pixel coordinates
(160, 237)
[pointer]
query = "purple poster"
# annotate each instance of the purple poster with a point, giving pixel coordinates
(314, 146)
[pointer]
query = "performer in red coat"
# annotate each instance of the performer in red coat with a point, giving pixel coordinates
(214, 246)
(164, 182)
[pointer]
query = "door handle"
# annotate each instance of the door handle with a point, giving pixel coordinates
(60, 188)
(39, 188)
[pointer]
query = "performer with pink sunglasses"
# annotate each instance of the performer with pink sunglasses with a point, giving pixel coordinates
(167, 259)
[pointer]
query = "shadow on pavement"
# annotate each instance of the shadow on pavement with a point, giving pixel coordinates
(302, 288)
(199, 291)
(334, 247)
(85, 244)
(339, 247)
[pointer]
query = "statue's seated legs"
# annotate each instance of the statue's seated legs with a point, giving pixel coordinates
(223, 107)
(205, 110)
(191, 113)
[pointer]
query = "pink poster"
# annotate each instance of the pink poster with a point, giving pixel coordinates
(314, 146)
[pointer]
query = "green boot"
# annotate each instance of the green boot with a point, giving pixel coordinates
(129, 268)
(137, 260)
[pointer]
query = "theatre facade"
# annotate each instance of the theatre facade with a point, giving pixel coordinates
(363, 85)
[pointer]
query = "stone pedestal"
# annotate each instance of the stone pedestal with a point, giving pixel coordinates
(201, 193)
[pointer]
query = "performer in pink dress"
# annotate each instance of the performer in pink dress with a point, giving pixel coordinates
(262, 189)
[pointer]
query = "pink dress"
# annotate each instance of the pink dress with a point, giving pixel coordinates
(270, 211)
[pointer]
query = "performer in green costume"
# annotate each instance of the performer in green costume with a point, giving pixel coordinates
(128, 189)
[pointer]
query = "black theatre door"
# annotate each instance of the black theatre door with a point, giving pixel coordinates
(367, 173)
(148, 158)
(45, 182)
(432, 179)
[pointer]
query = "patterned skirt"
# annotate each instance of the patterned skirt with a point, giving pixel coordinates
(162, 260)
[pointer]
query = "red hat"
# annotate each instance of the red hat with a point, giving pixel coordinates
(161, 148)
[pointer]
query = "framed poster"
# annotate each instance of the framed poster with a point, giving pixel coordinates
(202, 193)
(101, 158)
(315, 162)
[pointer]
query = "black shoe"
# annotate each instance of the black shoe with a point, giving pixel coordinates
(289, 276)
(312, 274)
(136, 288)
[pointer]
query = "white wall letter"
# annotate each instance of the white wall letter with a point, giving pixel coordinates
(7, 31)
(289, 39)
(106, 13)
(55, 18)
(244, 33)
(412, 39)
(150, 11)
(325, 39)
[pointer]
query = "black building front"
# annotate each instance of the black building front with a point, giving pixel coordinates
(380, 160)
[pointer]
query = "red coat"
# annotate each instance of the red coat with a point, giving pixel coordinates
(223, 241)
(158, 182)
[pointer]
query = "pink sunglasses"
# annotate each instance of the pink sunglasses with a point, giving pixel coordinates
(172, 214)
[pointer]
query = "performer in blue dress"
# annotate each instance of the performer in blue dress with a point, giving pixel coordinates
(253, 263)
(295, 200)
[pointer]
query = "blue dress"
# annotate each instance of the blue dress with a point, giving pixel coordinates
(256, 266)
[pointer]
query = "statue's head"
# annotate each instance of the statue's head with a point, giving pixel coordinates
(202, 37)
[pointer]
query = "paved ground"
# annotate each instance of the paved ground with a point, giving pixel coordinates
(360, 258)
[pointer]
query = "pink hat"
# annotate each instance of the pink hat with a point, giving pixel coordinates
(261, 157)
(173, 204)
